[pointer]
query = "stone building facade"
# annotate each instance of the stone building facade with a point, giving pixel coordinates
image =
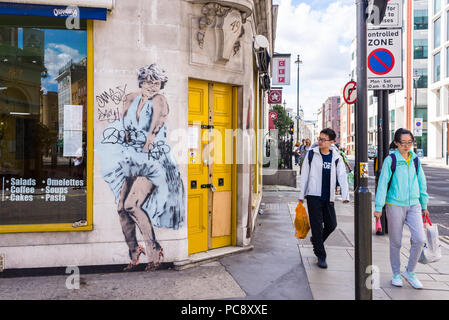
(163, 156)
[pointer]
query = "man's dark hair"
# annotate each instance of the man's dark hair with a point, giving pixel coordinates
(330, 133)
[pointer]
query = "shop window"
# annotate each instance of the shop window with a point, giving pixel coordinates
(420, 49)
(420, 82)
(421, 19)
(45, 153)
(421, 112)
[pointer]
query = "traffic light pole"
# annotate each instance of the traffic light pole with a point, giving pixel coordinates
(297, 101)
(362, 209)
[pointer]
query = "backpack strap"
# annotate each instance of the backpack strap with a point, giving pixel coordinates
(393, 163)
(416, 162)
(336, 172)
(393, 169)
(310, 156)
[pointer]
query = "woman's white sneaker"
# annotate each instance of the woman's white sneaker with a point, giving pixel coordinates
(397, 280)
(412, 279)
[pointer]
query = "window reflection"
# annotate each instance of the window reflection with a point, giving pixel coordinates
(43, 114)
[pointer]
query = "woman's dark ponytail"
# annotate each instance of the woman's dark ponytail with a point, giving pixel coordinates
(397, 137)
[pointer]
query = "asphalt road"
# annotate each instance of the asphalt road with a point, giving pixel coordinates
(438, 190)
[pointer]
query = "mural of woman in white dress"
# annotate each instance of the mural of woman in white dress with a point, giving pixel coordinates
(137, 164)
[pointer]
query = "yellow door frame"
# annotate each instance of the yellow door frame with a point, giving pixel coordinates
(234, 100)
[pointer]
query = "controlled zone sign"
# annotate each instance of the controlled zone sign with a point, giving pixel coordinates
(384, 59)
(418, 127)
(350, 92)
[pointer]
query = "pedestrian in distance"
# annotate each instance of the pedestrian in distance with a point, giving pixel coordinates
(402, 188)
(297, 153)
(304, 151)
(323, 166)
(345, 161)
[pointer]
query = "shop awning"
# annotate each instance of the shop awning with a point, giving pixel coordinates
(53, 11)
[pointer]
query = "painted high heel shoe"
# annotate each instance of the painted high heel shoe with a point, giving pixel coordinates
(133, 265)
(153, 266)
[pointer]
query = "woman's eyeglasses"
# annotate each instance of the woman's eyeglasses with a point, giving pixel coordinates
(405, 143)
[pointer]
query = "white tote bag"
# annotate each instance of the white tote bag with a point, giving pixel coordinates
(432, 250)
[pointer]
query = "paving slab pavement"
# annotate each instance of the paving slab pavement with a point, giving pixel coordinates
(208, 281)
(271, 269)
(338, 281)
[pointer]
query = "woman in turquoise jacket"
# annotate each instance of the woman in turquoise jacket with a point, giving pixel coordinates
(402, 188)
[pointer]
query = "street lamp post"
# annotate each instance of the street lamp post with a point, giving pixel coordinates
(298, 61)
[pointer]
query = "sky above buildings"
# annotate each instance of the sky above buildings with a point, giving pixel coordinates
(61, 46)
(320, 31)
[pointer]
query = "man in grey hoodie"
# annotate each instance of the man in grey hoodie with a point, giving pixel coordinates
(322, 167)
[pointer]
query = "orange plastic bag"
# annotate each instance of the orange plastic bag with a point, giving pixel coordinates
(302, 225)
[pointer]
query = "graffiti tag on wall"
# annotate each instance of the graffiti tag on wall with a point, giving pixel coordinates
(109, 103)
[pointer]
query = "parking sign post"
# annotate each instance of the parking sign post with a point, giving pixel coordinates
(362, 208)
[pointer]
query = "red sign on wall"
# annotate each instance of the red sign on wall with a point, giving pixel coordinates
(275, 97)
(273, 115)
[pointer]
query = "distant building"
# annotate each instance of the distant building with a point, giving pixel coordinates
(331, 115)
(309, 131)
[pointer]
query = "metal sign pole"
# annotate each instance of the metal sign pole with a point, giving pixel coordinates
(362, 209)
(386, 145)
(297, 101)
(380, 144)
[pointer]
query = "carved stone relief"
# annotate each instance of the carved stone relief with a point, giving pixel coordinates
(227, 23)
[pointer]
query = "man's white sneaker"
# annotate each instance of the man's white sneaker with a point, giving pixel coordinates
(412, 279)
(397, 280)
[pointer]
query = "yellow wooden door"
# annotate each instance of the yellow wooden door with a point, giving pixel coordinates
(210, 209)
(198, 230)
(222, 165)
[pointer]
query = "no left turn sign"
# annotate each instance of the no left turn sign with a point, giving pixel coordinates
(350, 92)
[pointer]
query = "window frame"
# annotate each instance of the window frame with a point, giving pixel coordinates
(420, 49)
(60, 227)
(434, 69)
(436, 8)
(437, 27)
